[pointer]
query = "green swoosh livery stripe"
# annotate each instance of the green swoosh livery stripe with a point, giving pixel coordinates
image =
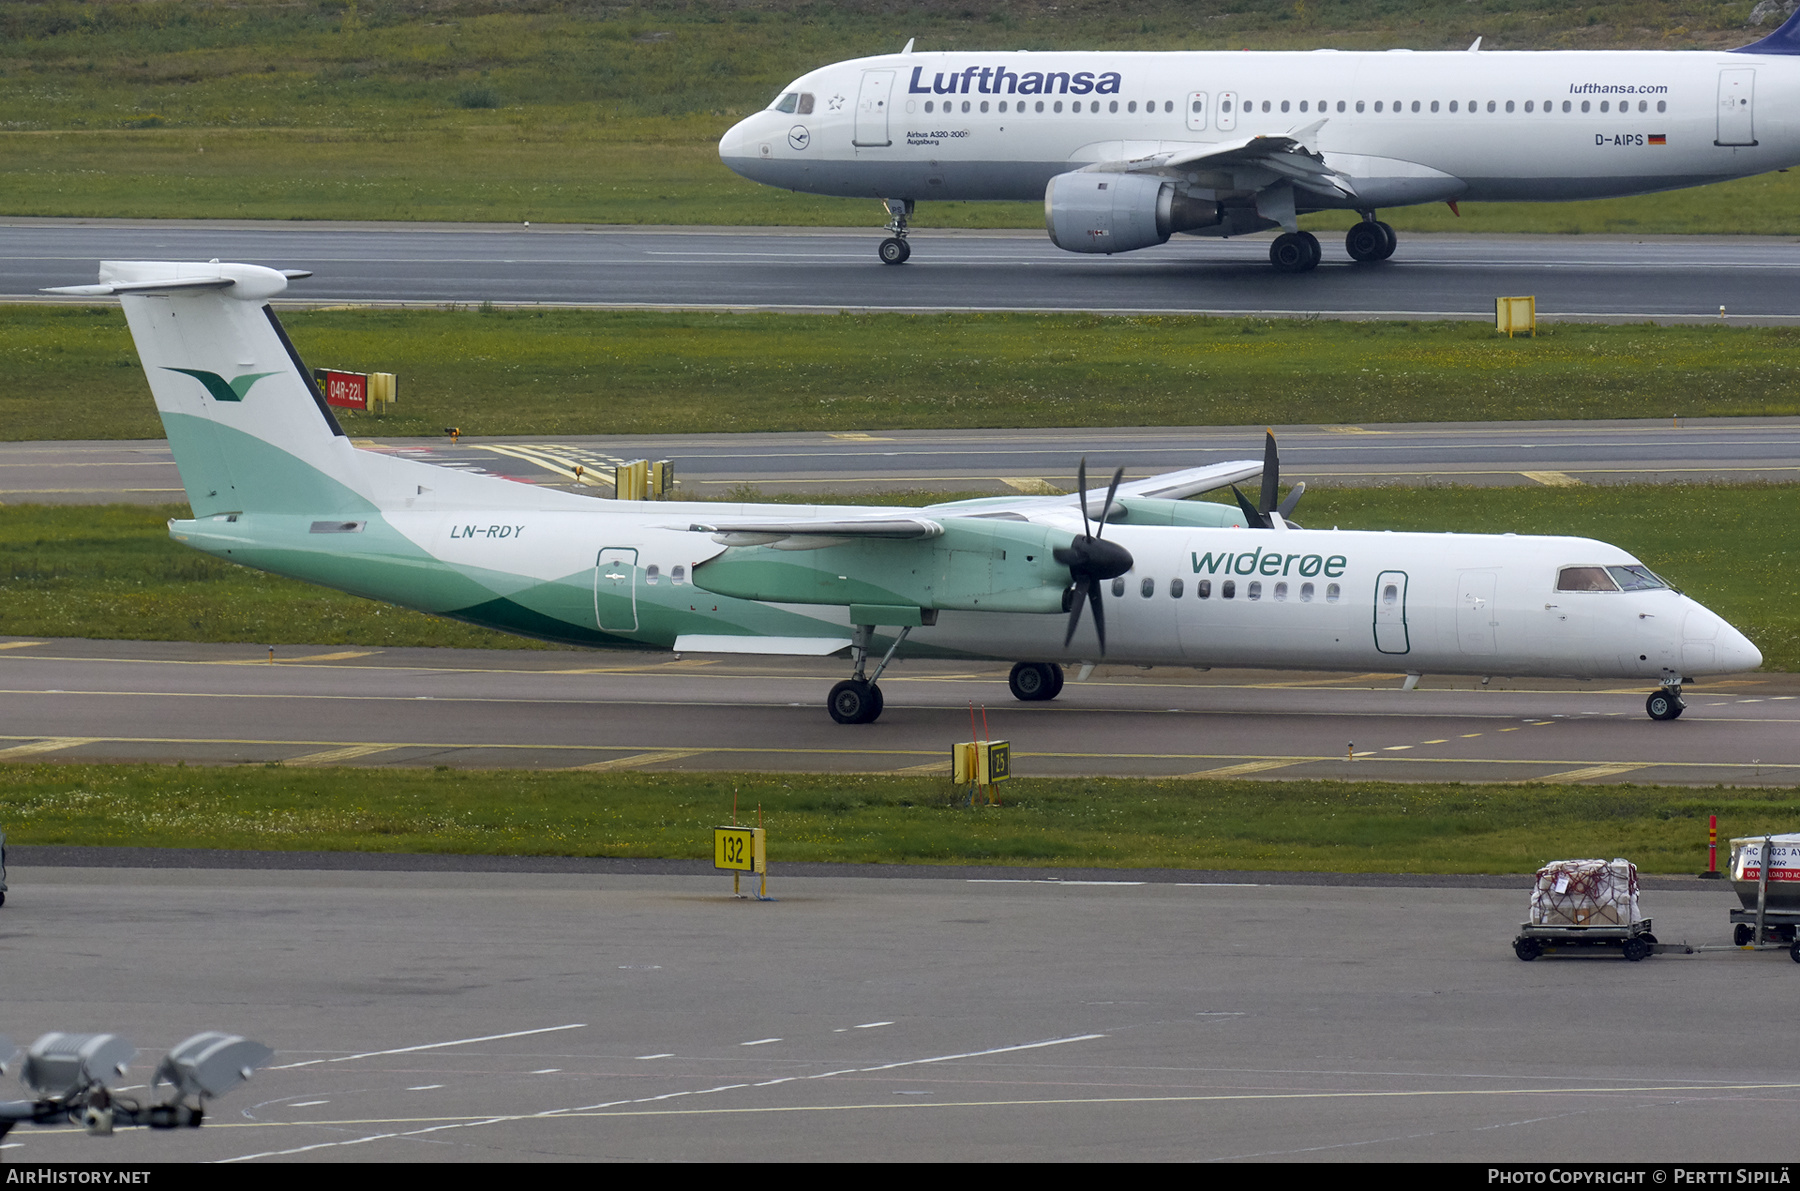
(219, 387)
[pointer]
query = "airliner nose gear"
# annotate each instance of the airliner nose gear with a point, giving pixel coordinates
(1666, 704)
(1035, 682)
(894, 250)
(1370, 240)
(1295, 252)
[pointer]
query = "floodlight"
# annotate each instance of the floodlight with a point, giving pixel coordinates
(59, 1066)
(210, 1064)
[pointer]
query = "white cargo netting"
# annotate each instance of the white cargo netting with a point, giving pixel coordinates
(1585, 893)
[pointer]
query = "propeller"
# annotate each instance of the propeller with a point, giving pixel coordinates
(1257, 516)
(1092, 560)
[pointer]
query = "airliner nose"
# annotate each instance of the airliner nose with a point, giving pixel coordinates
(1736, 652)
(736, 141)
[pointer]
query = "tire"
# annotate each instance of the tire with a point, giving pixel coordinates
(894, 251)
(1312, 247)
(853, 701)
(878, 703)
(1742, 934)
(1393, 241)
(1289, 253)
(1794, 952)
(1636, 949)
(1035, 682)
(1366, 242)
(1663, 706)
(1527, 949)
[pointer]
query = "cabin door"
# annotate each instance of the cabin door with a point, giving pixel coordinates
(1737, 107)
(872, 104)
(1390, 613)
(615, 589)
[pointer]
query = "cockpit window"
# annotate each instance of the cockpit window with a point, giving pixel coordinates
(806, 103)
(787, 103)
(1584, 579)
(1636, 578)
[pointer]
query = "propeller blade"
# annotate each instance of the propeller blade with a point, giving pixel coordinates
(1252, 518)
(1110, 493)
(1271, 476)
(1081, 489)
(1074, 617)
(1293, 498)
(1093, 592)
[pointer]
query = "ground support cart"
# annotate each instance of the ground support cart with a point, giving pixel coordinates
(1633, 942)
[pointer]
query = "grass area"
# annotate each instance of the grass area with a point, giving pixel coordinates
(1114, 823)
(75, 373)
(560, 110)
(113, 572)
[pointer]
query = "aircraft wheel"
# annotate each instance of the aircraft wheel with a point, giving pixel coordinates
(1393, 241)
(1035, 682)
(1291, 252)
(1312, 246)
(854, 701)
(1662, 705)
(894, 251)
(1365, 241)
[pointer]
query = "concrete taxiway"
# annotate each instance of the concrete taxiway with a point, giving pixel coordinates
(80, 700)
(1603, 278)
(1650, 450)
(471, 1016)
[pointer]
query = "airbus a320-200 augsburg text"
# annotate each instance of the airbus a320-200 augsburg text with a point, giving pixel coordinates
(1128, 149)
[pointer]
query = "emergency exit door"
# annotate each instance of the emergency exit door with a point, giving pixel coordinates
(615, 589)
(1737, 107)
(1391, 634)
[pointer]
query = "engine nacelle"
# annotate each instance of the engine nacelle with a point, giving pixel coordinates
(1092, 212)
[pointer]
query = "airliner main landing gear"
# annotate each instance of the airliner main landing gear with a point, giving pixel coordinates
(1035, 682)
(857, 700)
(1667, 703)
(894, 250)
(1370, 240)
(1295, 252)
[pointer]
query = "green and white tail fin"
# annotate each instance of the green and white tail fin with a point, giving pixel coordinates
(249, 429)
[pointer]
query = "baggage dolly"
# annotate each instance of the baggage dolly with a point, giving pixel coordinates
(1633, 942)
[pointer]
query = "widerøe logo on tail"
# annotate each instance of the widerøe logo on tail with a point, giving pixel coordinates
(220, 388)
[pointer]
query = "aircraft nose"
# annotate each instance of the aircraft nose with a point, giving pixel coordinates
(736, 143)
(1736, 652)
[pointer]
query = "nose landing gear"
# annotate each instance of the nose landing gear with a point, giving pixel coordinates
(1666, 704)
(895, 250)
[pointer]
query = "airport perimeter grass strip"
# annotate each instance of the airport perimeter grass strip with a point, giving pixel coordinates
(1099, 822)
(73, 373)
(112, 571)
(561, 111)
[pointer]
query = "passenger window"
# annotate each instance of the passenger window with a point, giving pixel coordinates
(1359, 105)
(1661, 106)
(1057, 106)
(1565, 105)
(1509, 105)
(1169, 105)
(1341, 106)
(1528, 105)
(1281, 591)
(1223, 107)
(1132, 106)
(1303, 105)
(1255, 590)
(1175, 589)
(1377, 106)
(1453, 105)
(1119, 586)
(1605, 105)
(1228, 589)
(965, 105)
(928, 105)
(1284, 105)
(1040, 106)
(1415, 105)
(1584, 579)
(1490, 105)
(652, 573)
(1114, 106)
(1306, 593)
(1636, 578)
(1003, 107)
(806, 103)
(678, 576)
(788, 102)
(984, 104)
(1584, 105)
(1265, 105)
(1203, 589)
(1332, 592)
(1147, 588)
(1434, 105)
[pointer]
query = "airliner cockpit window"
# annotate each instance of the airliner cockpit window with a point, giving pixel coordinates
(1636, 578)
(806, 103)
(1584, 579)
(787, 103)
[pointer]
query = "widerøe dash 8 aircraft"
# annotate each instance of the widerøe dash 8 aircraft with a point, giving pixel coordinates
(275, 484)
(1127, 149)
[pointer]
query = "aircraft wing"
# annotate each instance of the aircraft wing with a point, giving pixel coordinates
(1289, 155)
(1170, 485)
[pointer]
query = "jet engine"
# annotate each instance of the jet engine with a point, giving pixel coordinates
(1091, 212)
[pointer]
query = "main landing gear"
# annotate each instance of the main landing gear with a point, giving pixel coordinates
(1666, 704)
(895, 250)
(1035, 682)
(1295, 252)
(857, 700)
(1370, 240)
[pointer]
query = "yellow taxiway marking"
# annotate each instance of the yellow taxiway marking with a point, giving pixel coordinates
(1437, 741)
(929, 769)
(332, 756)
(1552, 479)
(1031, 485)
(18, 644)
(1354, 430)
(1248, 767)
(341, 655)
(641, 759)
(49, 744)
(1594, 771)
(856, 436)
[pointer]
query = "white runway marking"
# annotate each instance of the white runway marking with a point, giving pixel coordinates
(667, 1054)
(406, 1050)
(760, 1042)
